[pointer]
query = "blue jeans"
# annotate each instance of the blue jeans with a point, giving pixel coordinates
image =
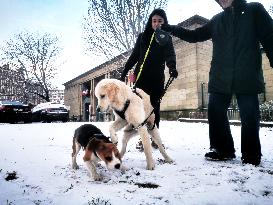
(219, 128)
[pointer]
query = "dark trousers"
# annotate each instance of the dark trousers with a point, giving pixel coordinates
(219, 129)
(156, 105)
(154, 91)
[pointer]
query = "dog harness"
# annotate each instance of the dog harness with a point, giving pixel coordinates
(127, 103)
(122, 112)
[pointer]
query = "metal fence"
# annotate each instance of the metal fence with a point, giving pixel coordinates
(232, 113)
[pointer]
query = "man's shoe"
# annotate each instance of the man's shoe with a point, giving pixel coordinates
(252, 160)
(213, 155)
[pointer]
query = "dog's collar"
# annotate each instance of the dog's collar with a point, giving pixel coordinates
(121, 113)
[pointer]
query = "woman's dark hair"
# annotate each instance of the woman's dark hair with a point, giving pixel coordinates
(148, 31)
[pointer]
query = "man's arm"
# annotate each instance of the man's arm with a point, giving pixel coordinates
(192, 36)
(264, 28)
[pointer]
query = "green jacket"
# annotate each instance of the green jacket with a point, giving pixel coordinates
(236, 34)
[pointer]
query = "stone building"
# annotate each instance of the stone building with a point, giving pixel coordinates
(11, 82)
(56, 96)
(13, 86)
(186, 95)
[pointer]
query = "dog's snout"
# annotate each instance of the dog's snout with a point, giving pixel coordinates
(117, 166)
(98, 109)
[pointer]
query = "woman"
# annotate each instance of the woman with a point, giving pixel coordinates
(151, 71)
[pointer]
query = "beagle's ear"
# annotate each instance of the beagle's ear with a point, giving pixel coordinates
(93, 144)
(101, 147)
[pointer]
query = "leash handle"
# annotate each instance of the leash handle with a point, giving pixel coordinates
(169, 82)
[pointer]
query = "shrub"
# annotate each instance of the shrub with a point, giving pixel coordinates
(267, 111)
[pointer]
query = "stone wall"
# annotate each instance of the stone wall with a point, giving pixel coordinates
(193, 63)
(268, 78)
(72, 98)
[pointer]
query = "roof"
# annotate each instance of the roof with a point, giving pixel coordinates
(196, 19)
(92, 70)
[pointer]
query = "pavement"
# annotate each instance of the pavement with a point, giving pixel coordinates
(232, 122)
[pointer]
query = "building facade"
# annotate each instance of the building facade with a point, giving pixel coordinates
(56, 96)
(187, 94)
(11, 84)
(14, 87)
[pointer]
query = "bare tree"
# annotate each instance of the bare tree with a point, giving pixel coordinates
(112, 26)
(34, 55)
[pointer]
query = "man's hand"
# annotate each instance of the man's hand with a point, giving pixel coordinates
(167, 27)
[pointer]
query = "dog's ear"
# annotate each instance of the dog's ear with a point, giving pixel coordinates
(112, 91)
(90, 148)
(93, 143)
(101, 147)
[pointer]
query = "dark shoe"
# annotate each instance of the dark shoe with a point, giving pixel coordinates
(252, 160)
(213, 155)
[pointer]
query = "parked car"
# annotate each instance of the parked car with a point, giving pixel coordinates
(49, 112)
(14, 111)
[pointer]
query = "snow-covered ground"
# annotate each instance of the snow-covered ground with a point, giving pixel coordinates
(35, 168)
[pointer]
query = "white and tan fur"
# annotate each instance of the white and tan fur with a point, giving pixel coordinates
(113, 94)
(97, 147)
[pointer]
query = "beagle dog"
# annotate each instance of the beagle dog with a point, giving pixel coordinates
(97, 148)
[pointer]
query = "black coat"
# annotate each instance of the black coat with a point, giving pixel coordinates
(236, 35)
(152, 77)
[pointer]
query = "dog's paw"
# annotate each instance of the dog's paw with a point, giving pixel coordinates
(97, 177)
(151, 166)
(169, 160)
(75, 166)
(114, 139)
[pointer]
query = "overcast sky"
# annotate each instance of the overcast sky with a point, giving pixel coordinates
(64, 19)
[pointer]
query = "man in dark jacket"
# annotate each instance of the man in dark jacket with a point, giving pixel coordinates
(151, 75)
(236, 34)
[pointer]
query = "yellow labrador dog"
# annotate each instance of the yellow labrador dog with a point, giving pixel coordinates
(131, 109)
